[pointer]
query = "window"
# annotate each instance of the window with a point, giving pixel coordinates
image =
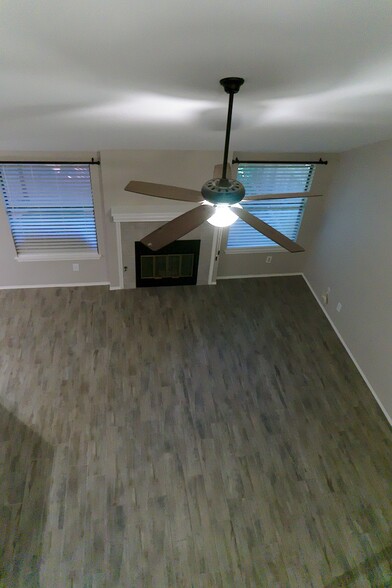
(283, 215)
(50, 210)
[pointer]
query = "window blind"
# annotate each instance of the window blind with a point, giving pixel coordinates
(284, 215)
(49, 207)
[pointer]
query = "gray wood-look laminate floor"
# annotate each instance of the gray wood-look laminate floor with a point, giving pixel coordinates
(187, 437)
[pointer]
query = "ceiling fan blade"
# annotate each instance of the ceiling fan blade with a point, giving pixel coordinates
(163, 191)
(282, 196)
(218, 171)
(267, 230)
(178, 227)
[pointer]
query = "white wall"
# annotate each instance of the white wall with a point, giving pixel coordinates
(14, 273)
(183, 168)
(352, 256)
(242, 264)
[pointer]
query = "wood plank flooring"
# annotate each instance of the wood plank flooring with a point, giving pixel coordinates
(25, 469)
(187, 437)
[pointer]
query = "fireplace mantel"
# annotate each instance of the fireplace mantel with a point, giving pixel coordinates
(122, 214)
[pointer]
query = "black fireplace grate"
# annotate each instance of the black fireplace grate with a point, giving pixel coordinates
(173, 265)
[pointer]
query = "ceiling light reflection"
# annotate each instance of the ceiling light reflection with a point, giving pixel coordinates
(148, 107)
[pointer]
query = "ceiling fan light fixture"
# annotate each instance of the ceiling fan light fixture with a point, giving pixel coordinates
(223, 216)
(222, 192)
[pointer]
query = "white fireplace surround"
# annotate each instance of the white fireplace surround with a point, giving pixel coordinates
(121, 214)
(124, 215)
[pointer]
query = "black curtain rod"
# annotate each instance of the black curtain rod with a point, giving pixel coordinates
(92, 162)
(319, 162)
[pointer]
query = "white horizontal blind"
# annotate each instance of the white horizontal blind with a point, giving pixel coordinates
(284, 215)
(49, 207)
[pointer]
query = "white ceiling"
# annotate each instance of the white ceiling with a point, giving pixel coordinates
(84, 74)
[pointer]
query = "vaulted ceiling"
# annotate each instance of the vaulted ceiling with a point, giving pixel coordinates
(120, 74)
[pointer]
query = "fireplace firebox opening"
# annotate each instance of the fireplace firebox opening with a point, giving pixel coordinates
(173, 265)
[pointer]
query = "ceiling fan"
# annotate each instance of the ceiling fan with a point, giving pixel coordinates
(218, 200)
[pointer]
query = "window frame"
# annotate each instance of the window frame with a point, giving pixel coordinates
(61, 255)
(260, 248)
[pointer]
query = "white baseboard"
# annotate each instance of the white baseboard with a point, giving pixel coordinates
(368, 384)
(55, 285)
(258, 276)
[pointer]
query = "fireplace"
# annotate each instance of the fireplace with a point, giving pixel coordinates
(174, 265)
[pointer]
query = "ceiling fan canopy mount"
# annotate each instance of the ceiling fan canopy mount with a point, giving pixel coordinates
(231, 85)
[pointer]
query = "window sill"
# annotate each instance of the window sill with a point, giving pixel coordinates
(248, 250)
(57, 256)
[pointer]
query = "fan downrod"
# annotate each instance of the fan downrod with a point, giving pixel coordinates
(224, 190)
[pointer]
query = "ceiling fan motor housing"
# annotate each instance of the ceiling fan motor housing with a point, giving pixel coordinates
(223, 191)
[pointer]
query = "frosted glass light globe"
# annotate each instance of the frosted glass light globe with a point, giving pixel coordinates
(223, 216)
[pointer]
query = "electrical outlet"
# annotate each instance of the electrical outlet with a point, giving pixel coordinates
(325, 297)
(75, 267)
(268, 259)
(339, 306)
